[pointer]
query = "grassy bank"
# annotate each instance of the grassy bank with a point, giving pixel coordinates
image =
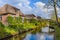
(57, 30)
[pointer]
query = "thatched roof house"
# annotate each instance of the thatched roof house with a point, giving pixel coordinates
(30, 16)
(38, 17)
(8, 9)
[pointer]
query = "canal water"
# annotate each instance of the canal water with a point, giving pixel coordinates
(34, 35)
(39, 36)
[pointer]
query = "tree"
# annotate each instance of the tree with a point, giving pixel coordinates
(54, 3)
(53, 16)
(55, 11)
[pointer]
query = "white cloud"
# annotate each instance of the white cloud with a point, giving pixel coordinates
(24, 1)
(38, 8)
(24, 6)
(39, 4)
(20, 4)
(0, 1)
(27, 9)
(44, 11)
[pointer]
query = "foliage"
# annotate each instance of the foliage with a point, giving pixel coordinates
(1, 25)
(10, 30)
(28, 26)
(10, 19)
(34, 21)
(15, 25)
(57, 30)
(2, 31)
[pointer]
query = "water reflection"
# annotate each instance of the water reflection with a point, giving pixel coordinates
(35, 35)
(39, 36)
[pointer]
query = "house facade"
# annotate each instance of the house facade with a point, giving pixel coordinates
(8, 10)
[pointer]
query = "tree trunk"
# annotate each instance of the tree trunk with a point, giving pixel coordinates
(55, 12)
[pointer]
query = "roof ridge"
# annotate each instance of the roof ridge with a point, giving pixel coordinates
(10, 6)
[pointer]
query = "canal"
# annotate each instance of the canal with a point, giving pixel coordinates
(34, 35)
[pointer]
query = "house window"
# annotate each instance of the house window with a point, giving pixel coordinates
(0, 17)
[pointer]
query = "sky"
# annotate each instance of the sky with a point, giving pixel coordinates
(35, 7)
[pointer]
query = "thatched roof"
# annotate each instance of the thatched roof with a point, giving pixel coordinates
(9, 9)
(30, 15)
(38, 17)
